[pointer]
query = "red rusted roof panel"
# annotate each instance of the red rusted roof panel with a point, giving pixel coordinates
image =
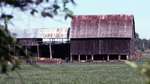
(102, 26)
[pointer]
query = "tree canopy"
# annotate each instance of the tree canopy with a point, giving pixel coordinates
(46, 8)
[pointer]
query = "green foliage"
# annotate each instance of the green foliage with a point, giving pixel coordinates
(143, 69)
(141, 44)
(53, 7)
(7, 58)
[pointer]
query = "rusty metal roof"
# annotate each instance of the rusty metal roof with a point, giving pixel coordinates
(102, 26)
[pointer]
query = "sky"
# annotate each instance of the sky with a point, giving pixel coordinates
(138, 8)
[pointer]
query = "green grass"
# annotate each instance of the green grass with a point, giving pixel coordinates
(146, 57)
(75, 74)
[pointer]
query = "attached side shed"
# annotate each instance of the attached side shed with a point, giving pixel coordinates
(102, 37)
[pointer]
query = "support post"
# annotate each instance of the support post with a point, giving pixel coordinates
(38, 54)
(107, 57)
(127, 57)
(119, 57)
(79, 58)
(26, 50)
(86, 58)
(50, 51)
(92, 57)
(71, 58)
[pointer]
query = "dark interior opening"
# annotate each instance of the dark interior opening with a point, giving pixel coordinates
(103, 57)
(75, 57)
(113, 57)
(44, 51)
(123, 57)
(82, 57)
(58, 51)
(61, 51)
(89, 57)
(33, 49)
(21, 52)
(97, 57)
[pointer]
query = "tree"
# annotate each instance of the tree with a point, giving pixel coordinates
(141, 44)
(51, 9)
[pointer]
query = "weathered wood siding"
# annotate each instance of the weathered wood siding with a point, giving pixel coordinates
(100, 46)
(102, 34)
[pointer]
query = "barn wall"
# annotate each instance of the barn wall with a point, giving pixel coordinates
(100, 46)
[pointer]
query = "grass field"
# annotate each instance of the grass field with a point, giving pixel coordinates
(75, 74)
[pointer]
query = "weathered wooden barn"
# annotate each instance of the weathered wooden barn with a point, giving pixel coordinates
(102, 37)
(46, 42)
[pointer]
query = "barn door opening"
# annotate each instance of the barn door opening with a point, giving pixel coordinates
(96, 57)
(75, 57)
(103, 57)
(34, 51)
(61, 50)
(83, 58)
(123, 57)
(44, 51)
(113, 57)
(89, 58)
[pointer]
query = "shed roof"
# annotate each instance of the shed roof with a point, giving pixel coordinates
(102, 26)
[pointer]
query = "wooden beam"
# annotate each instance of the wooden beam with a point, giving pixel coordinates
(119, 57)
(50, 51)
(38, 52)
(71, 58)
(79, 58)
(107, 57)
(86, 58)
(92, 57)
(127, 57)
(26, 50)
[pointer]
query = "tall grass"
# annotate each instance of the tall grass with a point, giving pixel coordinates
(75, 74)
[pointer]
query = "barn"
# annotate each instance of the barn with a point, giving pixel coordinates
(102, 37)
(46, 43)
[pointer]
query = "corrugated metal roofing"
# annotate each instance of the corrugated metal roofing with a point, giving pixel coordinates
(102, 26)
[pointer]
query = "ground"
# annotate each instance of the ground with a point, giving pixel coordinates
(75, 74)
(101, 73)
